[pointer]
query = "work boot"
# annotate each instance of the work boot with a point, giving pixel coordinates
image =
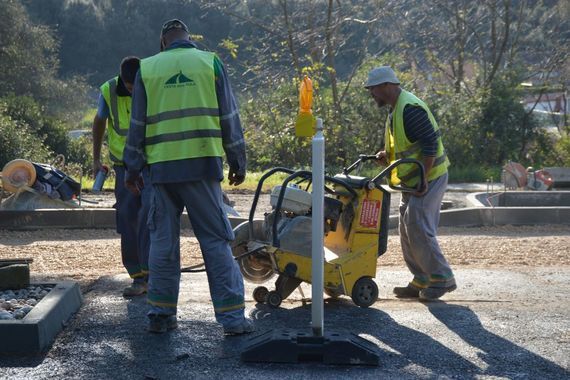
(245, 327)
(409, 291)
(137, 288)
(432, 294)
(161, 323)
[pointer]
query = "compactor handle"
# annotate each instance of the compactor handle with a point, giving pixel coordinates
(361, 159)
(401, 161)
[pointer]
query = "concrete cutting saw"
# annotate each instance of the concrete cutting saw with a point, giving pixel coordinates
(356, 213)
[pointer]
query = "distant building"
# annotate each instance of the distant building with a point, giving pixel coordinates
(77, 133)
(550, 106)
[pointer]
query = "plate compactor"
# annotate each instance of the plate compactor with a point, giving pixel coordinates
(356, 213)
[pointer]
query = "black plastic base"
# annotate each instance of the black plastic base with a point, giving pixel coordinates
(291, 346)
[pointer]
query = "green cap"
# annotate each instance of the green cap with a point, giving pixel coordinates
(171, 25)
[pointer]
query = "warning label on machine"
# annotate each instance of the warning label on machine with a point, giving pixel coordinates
(369, 214)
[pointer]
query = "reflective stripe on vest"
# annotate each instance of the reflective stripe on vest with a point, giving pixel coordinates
(119, 119)
(398, 146)
(416, 172)
(183, 117)
(415, 148)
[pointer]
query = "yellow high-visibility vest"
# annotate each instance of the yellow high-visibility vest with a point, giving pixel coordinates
(119, 119)
(398, 146)
(182, 117)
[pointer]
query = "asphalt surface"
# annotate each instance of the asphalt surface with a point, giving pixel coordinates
(511, 324)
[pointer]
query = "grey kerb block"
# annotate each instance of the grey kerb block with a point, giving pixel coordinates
(37, 330)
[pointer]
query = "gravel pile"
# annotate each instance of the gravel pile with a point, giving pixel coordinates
(16, 304)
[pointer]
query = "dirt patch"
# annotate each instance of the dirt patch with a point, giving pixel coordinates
(84, 255)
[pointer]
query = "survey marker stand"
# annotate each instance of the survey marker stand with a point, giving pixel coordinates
(318, 345)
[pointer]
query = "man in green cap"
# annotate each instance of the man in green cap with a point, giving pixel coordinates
(184, 118)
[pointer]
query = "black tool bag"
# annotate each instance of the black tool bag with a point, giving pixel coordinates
(64, 184)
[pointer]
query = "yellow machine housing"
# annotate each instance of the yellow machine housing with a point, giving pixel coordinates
(356, 234)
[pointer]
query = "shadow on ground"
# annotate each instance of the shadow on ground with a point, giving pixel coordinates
(107, 339)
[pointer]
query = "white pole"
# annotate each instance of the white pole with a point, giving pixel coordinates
(317, 249)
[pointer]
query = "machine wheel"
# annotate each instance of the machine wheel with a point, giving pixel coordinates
(364, 292)
(260, 294)
(273, 298)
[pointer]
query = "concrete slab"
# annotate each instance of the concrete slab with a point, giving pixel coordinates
(103, 218)
(57, 218)
(38, 329)
(15, 276)
(475, 187)
(497, 324)
(520, 199)
(499, 216)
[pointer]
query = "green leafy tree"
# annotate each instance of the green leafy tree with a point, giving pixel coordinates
(18, 141)
(458, 120)
(29, 64)
(505, 128)
(79, 152)
(270, 115)
(50, 130)
(562, 153)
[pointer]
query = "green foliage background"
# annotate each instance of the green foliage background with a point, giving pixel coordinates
(54, 54)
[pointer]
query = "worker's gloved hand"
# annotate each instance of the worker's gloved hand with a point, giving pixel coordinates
(134, 184)
(382, 158)
(236, 179)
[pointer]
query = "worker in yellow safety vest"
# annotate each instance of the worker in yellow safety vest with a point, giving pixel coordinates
(412, 132)
(114, 115)
(184, 119)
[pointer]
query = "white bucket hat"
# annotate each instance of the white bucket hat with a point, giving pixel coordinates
(379, 75)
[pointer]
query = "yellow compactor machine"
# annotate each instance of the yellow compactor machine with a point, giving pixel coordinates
(356, 233)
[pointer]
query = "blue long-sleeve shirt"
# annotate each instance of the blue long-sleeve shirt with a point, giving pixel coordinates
(191, 169)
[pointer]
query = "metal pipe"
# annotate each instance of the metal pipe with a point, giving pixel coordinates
(317, 248)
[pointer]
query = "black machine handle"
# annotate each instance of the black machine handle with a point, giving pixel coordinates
(258, 191)
(305, 175)
(384, 173)
(361, 159)
(376, 180)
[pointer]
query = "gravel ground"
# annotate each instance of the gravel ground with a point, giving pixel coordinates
(499, 324)
(85, 255)
(507, 319)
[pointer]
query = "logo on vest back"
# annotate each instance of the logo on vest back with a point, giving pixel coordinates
(179, 80)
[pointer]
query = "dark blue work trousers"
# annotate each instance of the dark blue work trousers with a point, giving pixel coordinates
(131, 218)
(203, 200)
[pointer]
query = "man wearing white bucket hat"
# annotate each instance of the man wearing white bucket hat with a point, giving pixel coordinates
(412, 132)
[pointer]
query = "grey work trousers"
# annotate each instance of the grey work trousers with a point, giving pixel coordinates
(203, 201)
(419, 219)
